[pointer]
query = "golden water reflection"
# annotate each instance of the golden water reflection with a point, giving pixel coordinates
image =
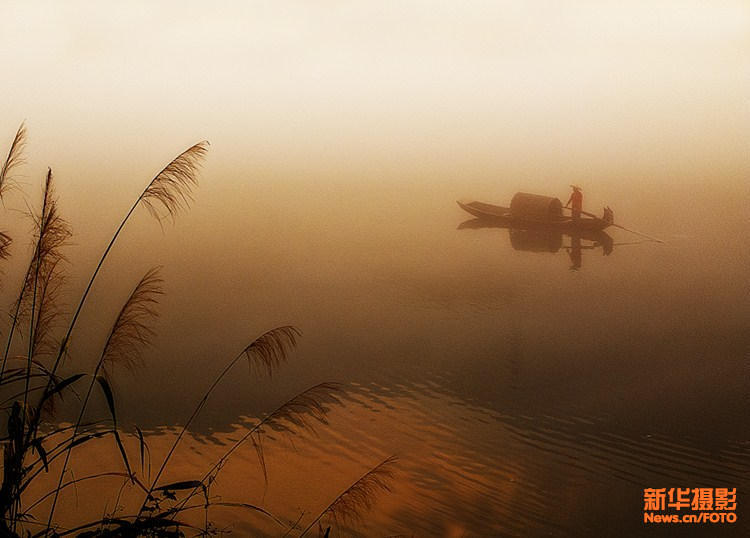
(464, 470)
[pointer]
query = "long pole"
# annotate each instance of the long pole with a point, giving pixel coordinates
(638, 233)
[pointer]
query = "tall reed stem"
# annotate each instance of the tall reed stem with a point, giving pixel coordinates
(65, 340)
(38, 256)
(185, 427)
(14, 321)
(167, 187)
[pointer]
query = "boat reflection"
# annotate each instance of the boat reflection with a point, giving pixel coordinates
(541, 238)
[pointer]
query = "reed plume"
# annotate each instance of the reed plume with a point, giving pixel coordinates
(40, 289)
(132, 330)
(299, 413)
(360, 496)
(271, 349)
(38, 301)
(49, 312)
(172, 187)
(14, 159)
(303, 410)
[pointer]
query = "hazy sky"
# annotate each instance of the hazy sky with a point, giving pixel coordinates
(380, 86)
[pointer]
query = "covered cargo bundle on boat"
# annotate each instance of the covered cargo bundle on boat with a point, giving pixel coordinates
(535, 207)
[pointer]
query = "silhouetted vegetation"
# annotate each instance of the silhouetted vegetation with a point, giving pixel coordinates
(36, 446)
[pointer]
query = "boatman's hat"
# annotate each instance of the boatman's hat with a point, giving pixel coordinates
(576, 187)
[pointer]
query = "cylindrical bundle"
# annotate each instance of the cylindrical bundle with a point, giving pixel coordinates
(535, 207)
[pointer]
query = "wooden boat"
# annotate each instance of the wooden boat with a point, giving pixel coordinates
(534, 211)
(547, 235)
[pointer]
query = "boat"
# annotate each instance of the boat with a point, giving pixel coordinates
(533, 210)
(540, 237)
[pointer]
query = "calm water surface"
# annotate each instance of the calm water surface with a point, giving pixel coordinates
(522, 398)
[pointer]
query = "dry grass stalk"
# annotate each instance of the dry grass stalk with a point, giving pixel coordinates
(172, 187)
(132, 329)
(14, 159)
(359, 497)
(302, 411)
(271, 349)
(39, 300)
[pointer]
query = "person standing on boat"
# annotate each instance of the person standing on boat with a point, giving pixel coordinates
(575, 202)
